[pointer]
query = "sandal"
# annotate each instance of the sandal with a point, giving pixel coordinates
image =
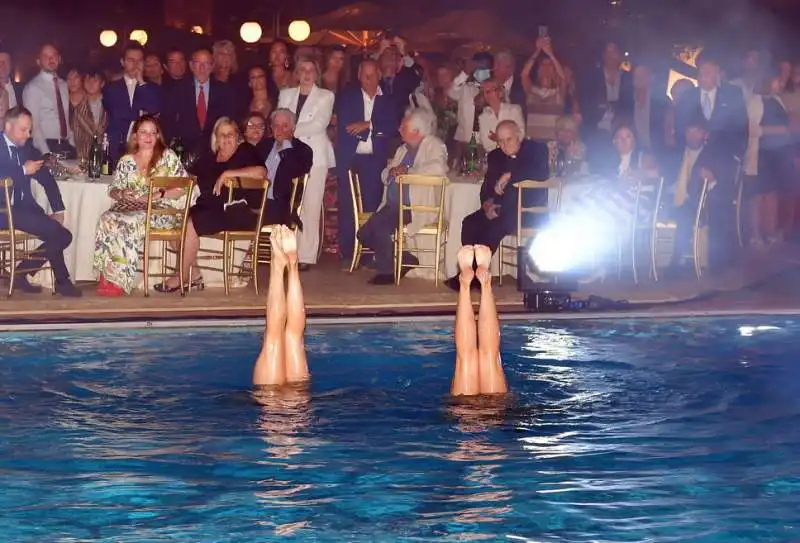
(194, 284)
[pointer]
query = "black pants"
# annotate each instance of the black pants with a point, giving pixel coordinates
(376, 234)
(368, 168)
(55, 238)
(722, 235)
(478, 229)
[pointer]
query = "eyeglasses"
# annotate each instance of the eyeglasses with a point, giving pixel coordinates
(257, 126)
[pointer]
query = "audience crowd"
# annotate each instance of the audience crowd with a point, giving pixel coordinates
(392, 112)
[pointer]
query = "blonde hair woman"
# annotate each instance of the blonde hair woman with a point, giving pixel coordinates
(225, 64)
(120, 233)
(313, 107)
(230, 156)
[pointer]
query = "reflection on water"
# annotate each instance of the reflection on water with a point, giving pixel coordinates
(616, 431)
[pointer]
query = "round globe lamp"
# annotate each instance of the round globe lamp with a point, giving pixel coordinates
(250, 32)
(140, 36)
(299, 30)
(197, 29)
(108, 38)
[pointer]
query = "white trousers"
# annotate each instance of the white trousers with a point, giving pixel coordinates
(309, 240)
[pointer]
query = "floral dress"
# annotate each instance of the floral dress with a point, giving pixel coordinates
(120, 234)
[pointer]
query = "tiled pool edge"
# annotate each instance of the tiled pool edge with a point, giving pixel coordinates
(398, 319)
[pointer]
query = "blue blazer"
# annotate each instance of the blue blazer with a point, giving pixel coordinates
(179, 117)
(728, 127)
(350, 109)
(23, 193)
(146, 98)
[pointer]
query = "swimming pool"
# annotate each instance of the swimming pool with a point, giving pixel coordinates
(619, 430)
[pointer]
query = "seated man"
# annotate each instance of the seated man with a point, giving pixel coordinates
(704, 160)
(287, 159)
(283, 356)
(515, 160)
(20, 161)
(423, 154)
(478, 366)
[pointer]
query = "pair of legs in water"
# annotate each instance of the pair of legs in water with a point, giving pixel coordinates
(283, 358)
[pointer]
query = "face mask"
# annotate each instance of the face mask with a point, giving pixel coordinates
(482, 75)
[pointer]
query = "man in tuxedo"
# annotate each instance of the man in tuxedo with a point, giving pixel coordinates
(20, 161)
(722, 105)
(366, 121)
(127, 99)
(516, 159)
(194, 104)
(704, 159)
(288, 158)
(12, 89)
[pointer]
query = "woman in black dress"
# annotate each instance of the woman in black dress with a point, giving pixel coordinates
(230, 157)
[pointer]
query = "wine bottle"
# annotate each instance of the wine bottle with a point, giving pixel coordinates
(472, 154)
(94, 159)
(106, 167)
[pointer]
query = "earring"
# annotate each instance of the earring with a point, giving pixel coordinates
(286, 64)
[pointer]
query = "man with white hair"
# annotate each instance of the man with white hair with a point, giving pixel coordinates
(288, 158)
(422, 153)
(516, 159)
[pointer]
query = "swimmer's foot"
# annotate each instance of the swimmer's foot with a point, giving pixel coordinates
(289, 244)
(466, 256)
(278, 256)
(483, 259)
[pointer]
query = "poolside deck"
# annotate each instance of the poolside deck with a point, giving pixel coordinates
(332, 292)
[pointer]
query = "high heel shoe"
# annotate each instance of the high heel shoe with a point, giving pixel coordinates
(195, 284)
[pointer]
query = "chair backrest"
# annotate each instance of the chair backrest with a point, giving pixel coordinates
(435, 182)
(296, 202)
(355, 193)
(522, 209)
(157, 184)
(7, 185)
(701, 204)
(656, 204)
(250, 183)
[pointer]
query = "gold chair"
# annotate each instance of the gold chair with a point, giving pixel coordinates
(739, 180)
(699, 242)
(262, 248)
(167, 235)
(435, 229)
(15, 245)
(229, 238)
(527, 232)
(360, 218)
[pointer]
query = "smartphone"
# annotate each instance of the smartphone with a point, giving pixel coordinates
(544, 32)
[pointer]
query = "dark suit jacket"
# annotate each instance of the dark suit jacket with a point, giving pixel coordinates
(121, 113)
(714, 158)
(728, 126)
(23, 193)
(531, 163)
(17, 92)
(179, 114)
(350, 109)
(295, 162)
(659, 106)
(404, 83)
(517, 96)
(593, 98)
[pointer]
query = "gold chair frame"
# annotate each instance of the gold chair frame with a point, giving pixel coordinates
(16, 243)
(230, 237)
(360, 218)
(529, 232)
(166, 236)
(437, 229)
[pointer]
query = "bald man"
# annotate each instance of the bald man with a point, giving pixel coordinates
(515, 159)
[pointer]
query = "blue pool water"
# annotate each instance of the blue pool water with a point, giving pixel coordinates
(618, 431)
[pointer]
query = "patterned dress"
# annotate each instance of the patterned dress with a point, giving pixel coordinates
(120, 234)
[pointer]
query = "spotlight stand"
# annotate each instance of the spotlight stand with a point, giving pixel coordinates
(551, 296)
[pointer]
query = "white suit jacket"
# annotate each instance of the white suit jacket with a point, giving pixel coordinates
(464, 92)
(431, 159)
(313, 121)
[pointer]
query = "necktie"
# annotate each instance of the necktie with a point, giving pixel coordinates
(62, 116)
(14, 154)
(388, 82)
(706, 105)
(202, 109)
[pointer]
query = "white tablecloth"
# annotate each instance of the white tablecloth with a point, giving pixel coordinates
(84, 202)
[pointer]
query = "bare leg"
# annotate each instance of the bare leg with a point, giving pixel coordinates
(466, 379)
(191, 245)
(270, 369)
(296, 363)
(492, 379)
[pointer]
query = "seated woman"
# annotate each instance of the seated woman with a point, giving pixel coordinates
(231, 157)
(282, 359)
(479, 369)
(569, 152)
(254, 129)
(120, 232)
